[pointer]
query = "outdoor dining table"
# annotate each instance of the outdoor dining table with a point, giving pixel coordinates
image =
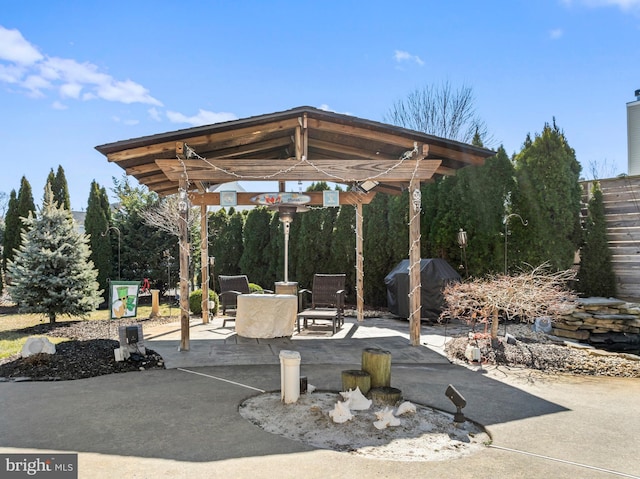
(266, 315)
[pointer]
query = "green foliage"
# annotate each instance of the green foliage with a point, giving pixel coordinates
(343, 249)
(313, 243)
(96, 225)
(12, 224)
(377, 260)
(483, 192)
(548, 197)
(226, 242)
(142, 246)
(254, 261)
(596, 277)
(59, 187)
(51, 273)
(19, 207)
(195, 301)
(25, 199)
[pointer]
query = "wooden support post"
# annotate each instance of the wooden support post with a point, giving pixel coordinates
(359, 264)
(204, 263)
(356, 378)
(385, 396)
(184, 265)
(155, 303)
(414, 262)
(377, 362)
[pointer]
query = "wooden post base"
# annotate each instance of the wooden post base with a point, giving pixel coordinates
(356, 378)
(385, 396)
(377, 362)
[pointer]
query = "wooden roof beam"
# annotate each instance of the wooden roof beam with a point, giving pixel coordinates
(168, 146)
(345, 171)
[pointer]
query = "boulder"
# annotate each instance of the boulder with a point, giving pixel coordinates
(37, 345)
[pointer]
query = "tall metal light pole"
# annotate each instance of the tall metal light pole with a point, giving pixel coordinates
(104, 233)
(506, 234)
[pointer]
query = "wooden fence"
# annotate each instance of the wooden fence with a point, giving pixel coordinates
(622, 211)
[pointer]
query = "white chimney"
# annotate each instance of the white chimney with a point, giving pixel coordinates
(633, 135)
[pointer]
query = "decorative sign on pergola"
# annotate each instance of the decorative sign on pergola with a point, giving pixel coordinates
(302, 144)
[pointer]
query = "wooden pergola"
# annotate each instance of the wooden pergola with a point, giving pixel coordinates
(301, 144)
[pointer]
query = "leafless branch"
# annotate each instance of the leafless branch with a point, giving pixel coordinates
(165, 215)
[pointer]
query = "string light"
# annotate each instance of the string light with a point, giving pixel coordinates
(416, 196)
(406, 156)
(416, 202)
(183, 207)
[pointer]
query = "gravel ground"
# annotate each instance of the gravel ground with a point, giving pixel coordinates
(540, 352)
(89, 353)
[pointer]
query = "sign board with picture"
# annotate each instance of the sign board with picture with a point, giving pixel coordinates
(123, 299)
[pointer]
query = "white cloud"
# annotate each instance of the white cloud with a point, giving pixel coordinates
(325, 107)
(56, 105)
(14, 48)
(203, 117)
(70, 90)
(401, 56)
(154, 114)
(556, 33)
(117, 119)
(22, 64)
(631, 6)
(11, 73)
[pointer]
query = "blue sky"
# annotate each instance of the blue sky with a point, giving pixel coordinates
(76, 74)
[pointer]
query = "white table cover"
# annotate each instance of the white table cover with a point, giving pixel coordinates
(266, 315)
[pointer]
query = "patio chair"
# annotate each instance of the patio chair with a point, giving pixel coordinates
(230, 288)
(327, 301)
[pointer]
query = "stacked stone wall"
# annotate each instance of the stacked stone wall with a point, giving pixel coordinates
(601, 320)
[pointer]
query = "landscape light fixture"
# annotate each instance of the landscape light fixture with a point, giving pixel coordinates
(458, 401)
(462, 242)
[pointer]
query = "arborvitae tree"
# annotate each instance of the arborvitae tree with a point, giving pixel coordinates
(343, 249)
(596, 277)
(96, 224)
(253, 262)
(430, 198)
(12, 226)
(548, 197)
(52, 273)
(398, 221)
(218, 223)
(25, 199)
(313, 240)
(275, 250)
(377, 260)
(60, 189)
(483, 191)
(19, 207)
(58, 184)
(235, 238)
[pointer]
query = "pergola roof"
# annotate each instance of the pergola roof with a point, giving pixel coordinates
(303, 143)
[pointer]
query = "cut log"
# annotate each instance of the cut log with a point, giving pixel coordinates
(385, 396)
(356, 378)
(377, 362)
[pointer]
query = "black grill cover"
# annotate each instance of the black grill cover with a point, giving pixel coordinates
(435, 274)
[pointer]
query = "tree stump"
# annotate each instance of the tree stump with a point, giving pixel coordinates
(377, 362)
(385, 396)
(353, 378)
